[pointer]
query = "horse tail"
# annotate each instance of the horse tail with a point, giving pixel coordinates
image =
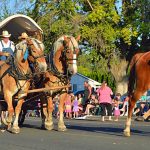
(132, 75)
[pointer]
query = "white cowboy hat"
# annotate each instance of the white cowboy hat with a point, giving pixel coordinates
(5, 34)
(23, 36)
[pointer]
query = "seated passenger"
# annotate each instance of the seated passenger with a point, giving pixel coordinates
(6, 46)
(24, 37)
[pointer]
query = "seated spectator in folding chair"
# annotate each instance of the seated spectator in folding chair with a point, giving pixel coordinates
(143, 107)
(141, 110)
(146, 115)
(92, 104)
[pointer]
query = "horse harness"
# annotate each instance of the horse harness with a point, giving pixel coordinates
(63, 78)
(53, 67)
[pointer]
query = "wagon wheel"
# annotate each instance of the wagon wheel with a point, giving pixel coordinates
(22, 116)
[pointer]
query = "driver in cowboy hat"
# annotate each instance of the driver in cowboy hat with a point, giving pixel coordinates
(23, 36)
(6, 46)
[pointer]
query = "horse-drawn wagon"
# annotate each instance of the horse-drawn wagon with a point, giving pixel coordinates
(54, 80)
(16, 25)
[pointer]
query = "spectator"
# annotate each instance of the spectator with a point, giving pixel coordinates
(92, 104)
(56, 105)
(93, 91)
(104, 94)
(146, 115)
(38, 112)
(116, 108)
(87, 94)
(141, 109)
(68, 106)
(124, 109)
(80, 107)
(80, 99)
(75, 107)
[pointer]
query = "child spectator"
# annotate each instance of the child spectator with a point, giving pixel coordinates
(116, 109)
(80, 99)
(56, 112)
(75, 107)
(68, 106)
(56, 106)
(80, 107)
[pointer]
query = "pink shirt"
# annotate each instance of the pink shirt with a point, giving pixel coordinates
(68, 100)
(105, 95)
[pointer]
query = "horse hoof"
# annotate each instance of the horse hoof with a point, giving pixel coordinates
(15, 130)
(62, 129)
(4, 122)
(127, 133)
(9, 127)
(49, 127)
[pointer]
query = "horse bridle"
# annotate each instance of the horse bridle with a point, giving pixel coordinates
(52, 65)
(65, 51)
(30, 49)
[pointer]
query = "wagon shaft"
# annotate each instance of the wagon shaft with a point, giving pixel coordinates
(48, 89)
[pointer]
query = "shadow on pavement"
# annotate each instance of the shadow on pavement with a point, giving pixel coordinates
(108, 130)
(117, 131)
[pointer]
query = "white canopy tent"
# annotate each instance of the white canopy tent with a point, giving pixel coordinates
(16, 24)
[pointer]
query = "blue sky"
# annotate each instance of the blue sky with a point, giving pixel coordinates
(26, 3)
(119, 4)
(12, 7)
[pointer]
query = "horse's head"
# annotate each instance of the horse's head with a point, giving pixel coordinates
(69, 48)
(36, 53)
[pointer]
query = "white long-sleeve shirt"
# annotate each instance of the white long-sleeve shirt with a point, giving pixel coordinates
(6, 45)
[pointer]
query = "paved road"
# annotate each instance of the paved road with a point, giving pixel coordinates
(81, 135)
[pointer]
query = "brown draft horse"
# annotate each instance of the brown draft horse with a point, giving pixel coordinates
(139, 83)
(63, 65)
(15, 80)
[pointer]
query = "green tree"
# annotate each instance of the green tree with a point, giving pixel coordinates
(109, 37)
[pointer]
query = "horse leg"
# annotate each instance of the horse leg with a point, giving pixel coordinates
(8, 99)
(61, 125)
(44, 111)
(49, 122)
(21, 96)
(136, 96)
(15, 128)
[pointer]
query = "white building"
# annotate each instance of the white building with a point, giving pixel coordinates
(77, 82)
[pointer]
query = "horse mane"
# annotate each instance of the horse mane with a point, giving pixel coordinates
(37, 43)
(60, 42)
(20, 47)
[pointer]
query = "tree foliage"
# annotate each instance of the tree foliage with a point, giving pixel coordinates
(107, 32)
